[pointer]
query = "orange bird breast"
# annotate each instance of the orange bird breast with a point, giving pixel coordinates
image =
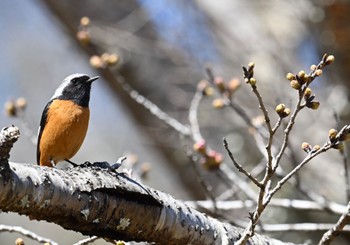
(64, 131)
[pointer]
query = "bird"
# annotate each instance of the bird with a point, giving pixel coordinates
(64, 121)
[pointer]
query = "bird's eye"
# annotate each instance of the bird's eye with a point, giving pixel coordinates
(74, 80)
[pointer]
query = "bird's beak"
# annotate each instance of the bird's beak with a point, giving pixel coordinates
(93, 79)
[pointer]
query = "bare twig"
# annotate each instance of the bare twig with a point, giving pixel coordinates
(235, 106)
(153, 108)
(193, 117)
(280, 183)
(239, 167)
(344, 154)
(206, 186)
(334, 208)
(27, 233)
(87, 240)
(304, 227)
(335, 230)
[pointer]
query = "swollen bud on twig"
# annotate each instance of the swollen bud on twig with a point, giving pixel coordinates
(313, 105)
(212, 160)
(307, 93)
(233, 85)
(200, 146)
(330, 59)
(301, 74)
(218, 103)
(282, 111)
(332, 134)
(290, 76)
(96, 62)
(19, 241)
(10, 109)
(295, 84)
(306, 147)
(220, 84)
(252, 81)
(318, 72)
(85, 21)
(109, 59)
(280, 108)
(251, 66)
(83, 37)
(315, 148)
(21, 103)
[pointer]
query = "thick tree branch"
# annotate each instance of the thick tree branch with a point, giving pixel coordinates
(97, 201)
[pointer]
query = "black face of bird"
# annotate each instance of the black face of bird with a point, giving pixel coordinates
(75, 87)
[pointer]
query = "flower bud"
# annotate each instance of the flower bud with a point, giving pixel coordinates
(307, 93)
(330, 59)
(306, 147)
(290, 76)
(315, 148)
(318, 72)
(112, 59)
(85, 21)
(212, 160)
(251, 65)
(220, 84)
(280, 108)
(295, 84)
(21, 103)
(233, 85)
(313, 105)
(19, 241)
(313, 67)
(218, 103)
(286, 113)
(10, 109)
(252, 81)
(96, 62)
(200, 146)
(83, 37)
(301, 74)
(332, 134)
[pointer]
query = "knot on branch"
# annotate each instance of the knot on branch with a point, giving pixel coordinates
(8, 136)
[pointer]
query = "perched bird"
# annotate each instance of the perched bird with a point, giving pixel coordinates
(64, 121)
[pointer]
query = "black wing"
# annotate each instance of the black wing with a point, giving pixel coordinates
(40, 131)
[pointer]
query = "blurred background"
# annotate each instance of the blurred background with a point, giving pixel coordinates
(163, 48)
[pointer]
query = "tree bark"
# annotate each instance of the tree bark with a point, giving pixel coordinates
(97, 200)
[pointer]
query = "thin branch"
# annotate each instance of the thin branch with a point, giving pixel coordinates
(153, 108)
(240, 111)
(336, 229)
(193, 117)
(303, 227)
(302, 205)
(237, 180)
(87, 240)
(280, 183)
(239, 167)
(345, 156)
(297, 109)
(206, 186)
(27, 233)
(263, 109)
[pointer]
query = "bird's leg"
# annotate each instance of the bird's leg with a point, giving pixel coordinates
(70, 162)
